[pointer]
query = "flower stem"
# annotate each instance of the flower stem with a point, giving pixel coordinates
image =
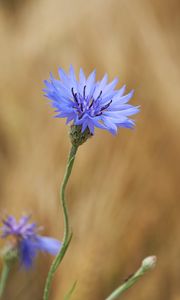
(67, 230)
(147, 264)
(4, 276)
(70, 163)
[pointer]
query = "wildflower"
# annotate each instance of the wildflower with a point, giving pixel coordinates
(88, 103)
(26, 240)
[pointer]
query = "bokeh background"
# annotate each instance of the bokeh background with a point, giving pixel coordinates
(124, 193)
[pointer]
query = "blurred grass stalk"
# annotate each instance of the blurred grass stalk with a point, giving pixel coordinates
(147, 264)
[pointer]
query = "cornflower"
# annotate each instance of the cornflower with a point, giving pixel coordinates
(90, 103)
(26, 240)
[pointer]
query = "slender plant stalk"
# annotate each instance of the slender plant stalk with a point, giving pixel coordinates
(4, 276)
(70, 292)
(67, 230)
(147, 265)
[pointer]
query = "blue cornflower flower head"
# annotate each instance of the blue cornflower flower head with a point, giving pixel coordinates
(89, 103)
(26, 239)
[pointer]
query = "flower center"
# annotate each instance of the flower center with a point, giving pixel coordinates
(87, 104)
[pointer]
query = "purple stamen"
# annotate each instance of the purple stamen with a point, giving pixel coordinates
(106, 106)
(99, 95)
(74, 96)
(84, 92)
(98, 114)
(91, 103)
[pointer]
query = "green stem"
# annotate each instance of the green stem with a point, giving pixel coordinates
(125, 286)
(70, 163)
(67, 230)
(147, 265)
(4, 276)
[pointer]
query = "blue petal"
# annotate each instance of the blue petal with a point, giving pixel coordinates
(64, 77)
(28, 252)
(121, 91)
(90, 125)
(82, 81)
(100, 86)
(110, 87)
(127, 124)
(120, 113)
(70, 118)
(72, 78)
(10, 222)
(106, 98)
(97, 123)
(122, 100)
(90, 83)
(109, 123)
(114, 116)
(84, 126)
(58, 87)
(23, 220)
(48, 244)
(130, 111)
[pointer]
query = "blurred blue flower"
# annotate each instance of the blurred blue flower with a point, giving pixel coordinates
(89, 103)
(27, 241)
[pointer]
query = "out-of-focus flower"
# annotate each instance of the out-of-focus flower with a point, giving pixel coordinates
(90, 103)
(25, 239)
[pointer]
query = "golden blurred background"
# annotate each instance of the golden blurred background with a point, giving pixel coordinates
(123, 195)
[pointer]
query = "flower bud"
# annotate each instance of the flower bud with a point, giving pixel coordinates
(149, 263)
(77, 136)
